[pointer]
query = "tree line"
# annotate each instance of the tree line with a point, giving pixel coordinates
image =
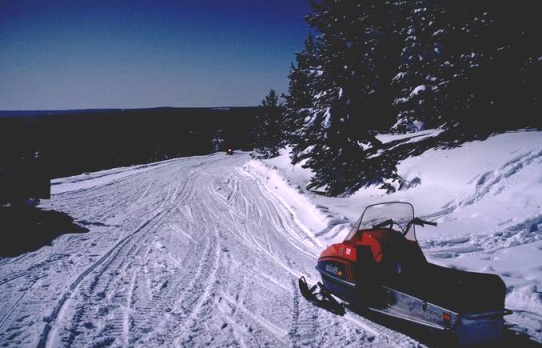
(468, 68)
(72, 142)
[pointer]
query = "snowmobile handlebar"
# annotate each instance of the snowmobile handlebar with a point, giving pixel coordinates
(404, 229)
(420, 222)
(415, 221)
(383, 223)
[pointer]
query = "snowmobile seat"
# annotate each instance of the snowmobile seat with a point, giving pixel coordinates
(392, 246)
(463, 291)
(366, 266)
(367, 275)
(373, 240)
(393, 260)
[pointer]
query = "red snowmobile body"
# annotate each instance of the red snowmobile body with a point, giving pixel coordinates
(381, 267)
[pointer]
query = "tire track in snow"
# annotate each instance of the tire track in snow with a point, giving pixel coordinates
(55, 319)
(492, 182)
(303, 327)
(9, 312)
(147, 303)
(277, 332)
(116, 256)
(238, 331)
(181, 295)
(273, 212)
(269, 248)
(226, 222)
(190, 299)
(191, 306)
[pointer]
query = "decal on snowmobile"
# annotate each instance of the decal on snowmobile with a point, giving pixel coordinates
(333, 269)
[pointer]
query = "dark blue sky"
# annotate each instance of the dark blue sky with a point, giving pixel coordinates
(76, 54)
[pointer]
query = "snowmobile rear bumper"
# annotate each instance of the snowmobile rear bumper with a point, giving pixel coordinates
(469, 329)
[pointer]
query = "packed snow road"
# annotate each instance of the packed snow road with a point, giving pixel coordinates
(189, 252)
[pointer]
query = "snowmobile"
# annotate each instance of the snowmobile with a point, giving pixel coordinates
(380, 268)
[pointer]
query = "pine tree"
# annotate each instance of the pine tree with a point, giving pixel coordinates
(421, 67)
(339, 92)
(491, 60)
(498, 92)
(467, 55)
(268, 132)
(220, 140)
(299, 101)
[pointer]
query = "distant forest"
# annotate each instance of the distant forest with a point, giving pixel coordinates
(78, 141)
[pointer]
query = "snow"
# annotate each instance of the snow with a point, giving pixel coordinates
(207, 250)
(419, 89)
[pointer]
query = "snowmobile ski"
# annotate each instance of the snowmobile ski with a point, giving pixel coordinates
(318, 295)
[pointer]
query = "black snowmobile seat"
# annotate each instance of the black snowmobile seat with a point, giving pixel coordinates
(390, 245)
(367, 275)
(373, 239)
(463, 291)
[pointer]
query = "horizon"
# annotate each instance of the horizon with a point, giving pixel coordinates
(119, 109)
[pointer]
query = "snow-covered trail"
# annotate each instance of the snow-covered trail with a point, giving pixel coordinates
(189, 252)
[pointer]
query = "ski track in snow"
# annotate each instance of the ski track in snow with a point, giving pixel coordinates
(189, 253)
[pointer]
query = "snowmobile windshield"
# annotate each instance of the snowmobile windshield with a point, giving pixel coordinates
(394, 215)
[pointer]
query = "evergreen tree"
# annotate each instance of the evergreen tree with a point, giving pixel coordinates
(373, 65)
(221, 140)
(268, 132)
(500, 88)
(422, 68)
(339, 92)
(299, 101)
(493, 59)
(467, 54)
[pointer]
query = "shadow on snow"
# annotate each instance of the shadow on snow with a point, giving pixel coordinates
(26, 230)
